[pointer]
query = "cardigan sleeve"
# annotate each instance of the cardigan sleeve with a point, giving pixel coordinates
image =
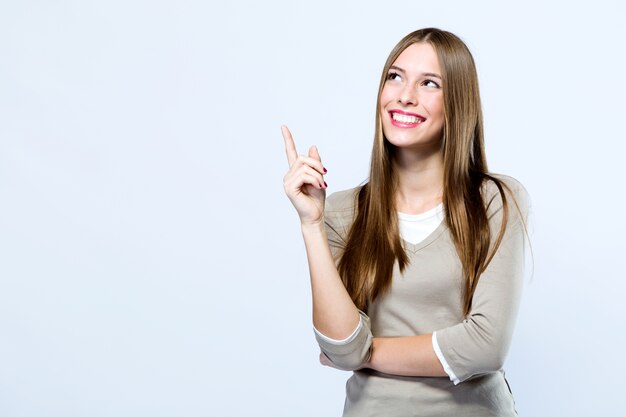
(479, 343)
(338, 216)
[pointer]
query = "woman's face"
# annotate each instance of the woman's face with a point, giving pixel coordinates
(411, 102)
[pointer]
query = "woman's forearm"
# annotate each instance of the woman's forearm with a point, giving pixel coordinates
(405, 356)
(334, 313)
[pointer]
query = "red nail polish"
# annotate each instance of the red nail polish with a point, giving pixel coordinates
(325, 170)
(325, 185)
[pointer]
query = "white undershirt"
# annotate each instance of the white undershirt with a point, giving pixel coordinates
(414, 228)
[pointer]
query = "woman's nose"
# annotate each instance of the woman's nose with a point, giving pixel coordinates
(408, 96)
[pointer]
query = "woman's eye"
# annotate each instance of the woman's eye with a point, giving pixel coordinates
(393, 76)
(431, 83)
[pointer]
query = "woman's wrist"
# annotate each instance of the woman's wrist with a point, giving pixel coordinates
(313, 227)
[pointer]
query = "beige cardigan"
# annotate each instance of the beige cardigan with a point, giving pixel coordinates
(427, 297)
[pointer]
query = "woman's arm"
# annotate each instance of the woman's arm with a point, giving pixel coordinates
(334, 313)
(406, 356)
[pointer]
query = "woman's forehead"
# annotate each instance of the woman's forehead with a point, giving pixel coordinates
(418, 58)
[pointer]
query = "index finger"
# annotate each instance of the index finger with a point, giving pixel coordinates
(290, 146)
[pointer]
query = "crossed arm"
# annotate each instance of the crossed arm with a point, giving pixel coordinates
(404, 356)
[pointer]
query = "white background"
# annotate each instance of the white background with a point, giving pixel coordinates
(150, 264)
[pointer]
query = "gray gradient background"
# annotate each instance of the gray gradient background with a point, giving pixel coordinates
(150, 264)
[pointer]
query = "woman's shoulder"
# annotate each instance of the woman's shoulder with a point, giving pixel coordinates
(342, 201)
(515, 192)
(514, 185)
(341, 207)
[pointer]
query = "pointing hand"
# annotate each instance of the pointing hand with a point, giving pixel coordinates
(304, 182)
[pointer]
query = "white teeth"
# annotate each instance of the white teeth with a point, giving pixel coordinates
(403, 118)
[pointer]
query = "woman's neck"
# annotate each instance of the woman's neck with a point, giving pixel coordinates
(420, 181)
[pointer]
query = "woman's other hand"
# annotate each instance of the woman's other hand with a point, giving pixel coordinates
(304, 182)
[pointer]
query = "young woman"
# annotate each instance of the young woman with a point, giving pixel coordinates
(416, 276)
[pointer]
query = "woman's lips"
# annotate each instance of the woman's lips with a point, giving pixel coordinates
(404, 119)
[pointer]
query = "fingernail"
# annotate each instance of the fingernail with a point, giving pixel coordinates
(325, 170)
(325, 185)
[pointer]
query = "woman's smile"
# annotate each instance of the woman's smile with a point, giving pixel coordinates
(404, 119)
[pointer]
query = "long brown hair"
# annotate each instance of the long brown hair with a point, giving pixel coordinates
(373, 244)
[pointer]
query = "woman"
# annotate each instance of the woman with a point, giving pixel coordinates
(416, 276)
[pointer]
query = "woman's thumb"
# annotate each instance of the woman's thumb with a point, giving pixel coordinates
(314, 153)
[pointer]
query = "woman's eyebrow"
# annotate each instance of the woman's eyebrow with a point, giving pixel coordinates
(393, 67)
(431, 74)
(425, 74)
